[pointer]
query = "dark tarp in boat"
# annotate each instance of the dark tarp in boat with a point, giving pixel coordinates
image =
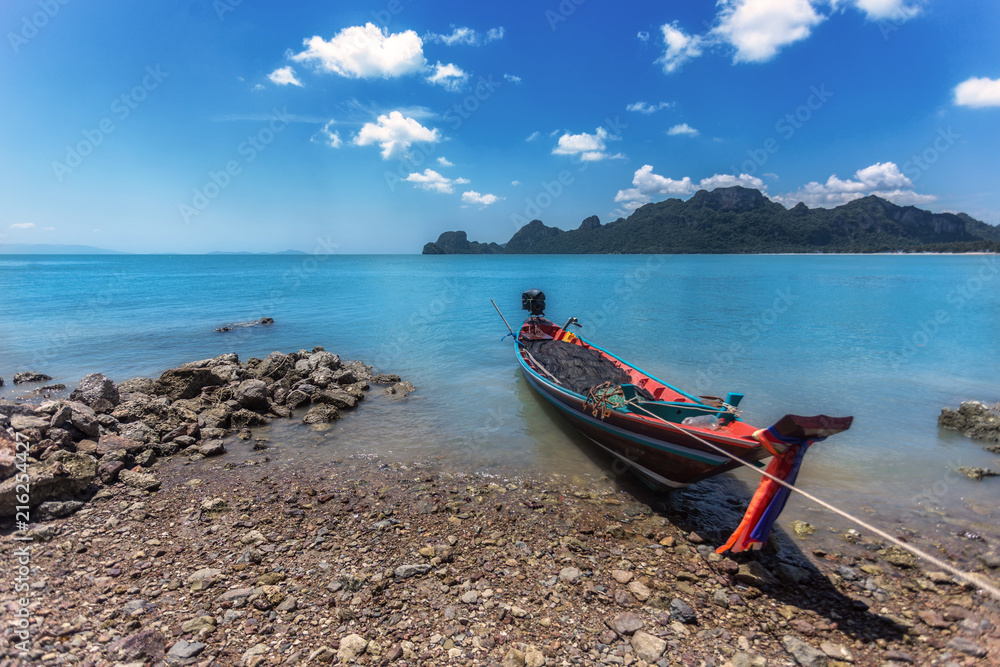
(578, 368)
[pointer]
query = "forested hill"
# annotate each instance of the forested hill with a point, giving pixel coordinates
(743, 220)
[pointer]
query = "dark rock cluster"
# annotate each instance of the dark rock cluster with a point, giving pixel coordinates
(106, 432)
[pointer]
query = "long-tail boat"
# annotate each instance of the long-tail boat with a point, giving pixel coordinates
(669, 437)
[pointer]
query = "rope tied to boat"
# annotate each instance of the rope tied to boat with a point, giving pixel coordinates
(976, 580)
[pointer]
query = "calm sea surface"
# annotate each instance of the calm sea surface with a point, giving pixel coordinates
(888, 339)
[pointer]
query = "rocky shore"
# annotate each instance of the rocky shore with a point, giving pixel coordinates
(105, 433)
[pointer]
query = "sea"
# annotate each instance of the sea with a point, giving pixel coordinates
(889, 339)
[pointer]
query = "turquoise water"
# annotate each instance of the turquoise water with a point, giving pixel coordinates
(889, 339)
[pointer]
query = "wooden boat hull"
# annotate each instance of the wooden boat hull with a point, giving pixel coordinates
(663, 455)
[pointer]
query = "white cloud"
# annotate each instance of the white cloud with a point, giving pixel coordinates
(681, 47)
(443, 161)
(22, 225)
(643, 36)
(48, 229)
(510, 78)
(647, 185)
(684, 129)
(588, 147)
(473, 197)
(395, 133)
(534, 135)
(978, 93)
(465, 36)
(257, 88)
(515, 183)
(366, 52)
(328, 136)
(883, 179)
(889, 9)
(728, 181)
(449, 77)
(760, 28)
(642, 107)
(284, 76)
(434, 182)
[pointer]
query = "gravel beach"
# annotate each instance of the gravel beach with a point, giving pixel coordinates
(367, 563)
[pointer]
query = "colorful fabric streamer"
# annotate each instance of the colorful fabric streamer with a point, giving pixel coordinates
(770, 498)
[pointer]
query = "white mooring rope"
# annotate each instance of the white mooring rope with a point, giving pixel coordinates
(971, 578)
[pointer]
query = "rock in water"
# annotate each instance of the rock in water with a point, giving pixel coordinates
(977, 473)
(975, 419)
(321, 414)
(30, 376)
(93, 387)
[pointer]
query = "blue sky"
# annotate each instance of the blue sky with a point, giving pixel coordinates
(372, 127)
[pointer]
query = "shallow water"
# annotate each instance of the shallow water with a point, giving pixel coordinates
(889, 339)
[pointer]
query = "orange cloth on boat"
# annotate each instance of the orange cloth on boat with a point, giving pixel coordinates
(782, 464)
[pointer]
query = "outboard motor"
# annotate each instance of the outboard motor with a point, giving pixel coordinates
(534, 302)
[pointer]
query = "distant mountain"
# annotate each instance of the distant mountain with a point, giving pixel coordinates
(743, 220)
(457, 243)
(53, 249)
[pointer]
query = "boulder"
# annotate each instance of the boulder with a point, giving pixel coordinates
(95, 387)
(321, 414)
(217, 417)
(323, 359)
(8, 456)
(60, 477)
(24, 423)
(30, 376)
(975, 419)
(108, 470)
(252, 394)
(295, 398)
(138, 431)
(137, 386)
(110, 443)
(336, 397)
(139, 480)
(84, 419)
(276, 365)
(243, 418)
(178, 383)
